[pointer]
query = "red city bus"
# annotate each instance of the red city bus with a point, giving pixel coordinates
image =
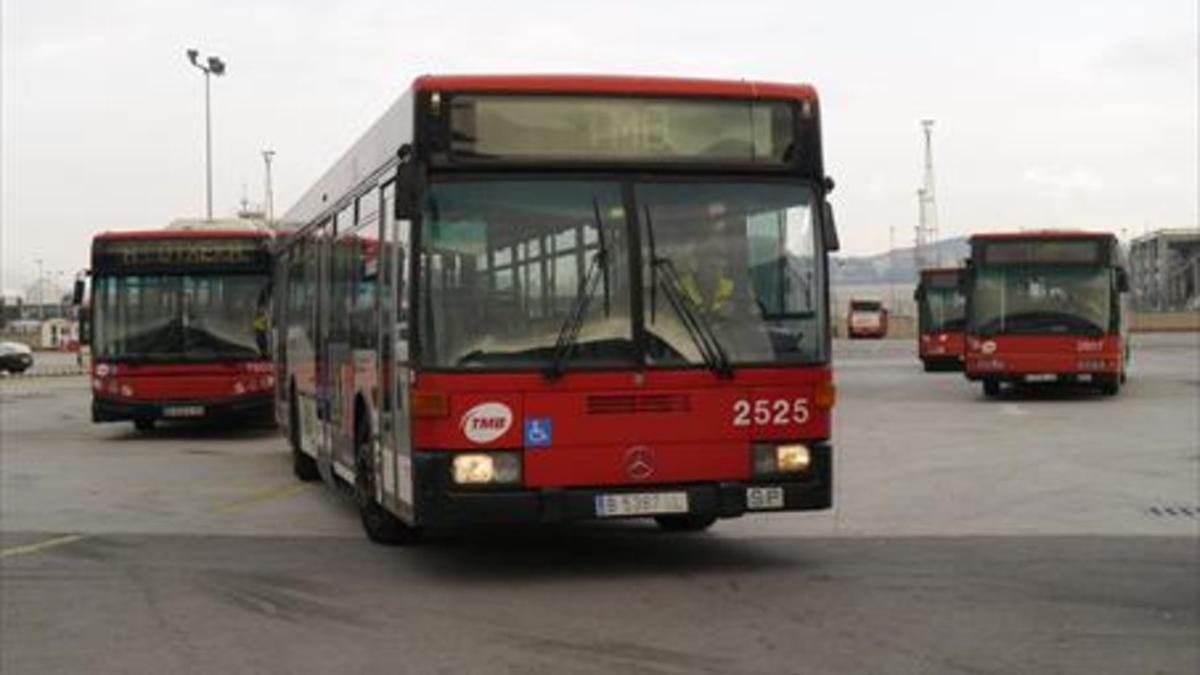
(1046, 307)
(941, 316)
(532, 299)
(180, 326)
(867, 319)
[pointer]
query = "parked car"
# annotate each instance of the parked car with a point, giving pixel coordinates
(15, 357)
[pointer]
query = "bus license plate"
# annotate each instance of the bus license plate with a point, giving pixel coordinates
(641, 504)
(1041, 377)
(763, 498)
(183, 411)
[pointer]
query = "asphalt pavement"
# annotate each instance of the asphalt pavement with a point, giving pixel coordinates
(1039, 533)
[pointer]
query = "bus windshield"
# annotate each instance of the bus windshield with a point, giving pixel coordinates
(1071, 299)
(505, 264)
(942, 309)
(180, 317)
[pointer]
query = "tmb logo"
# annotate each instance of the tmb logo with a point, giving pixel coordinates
(486, 422)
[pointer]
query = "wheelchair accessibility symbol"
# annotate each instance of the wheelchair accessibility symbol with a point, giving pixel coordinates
(539, 432)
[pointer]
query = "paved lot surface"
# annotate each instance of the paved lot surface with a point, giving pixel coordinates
(1034, 534)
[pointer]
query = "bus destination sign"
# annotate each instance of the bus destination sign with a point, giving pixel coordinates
(160, 254)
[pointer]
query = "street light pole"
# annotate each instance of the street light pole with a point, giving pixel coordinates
(41, 289)
(212, 66)
(268, 155)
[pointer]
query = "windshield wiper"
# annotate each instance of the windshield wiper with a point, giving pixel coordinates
(662, 271)
(568, 333)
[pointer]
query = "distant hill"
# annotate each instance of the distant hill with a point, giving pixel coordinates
(895, 266)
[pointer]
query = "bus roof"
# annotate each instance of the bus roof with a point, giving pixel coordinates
(130, 235)
(614, 84)
(1041, 234)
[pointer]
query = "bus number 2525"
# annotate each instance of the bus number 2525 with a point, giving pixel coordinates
(763, 412)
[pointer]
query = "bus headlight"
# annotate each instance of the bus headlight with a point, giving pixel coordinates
(478, 468)
(786, 458)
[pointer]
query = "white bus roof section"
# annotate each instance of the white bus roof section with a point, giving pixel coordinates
(370, 153)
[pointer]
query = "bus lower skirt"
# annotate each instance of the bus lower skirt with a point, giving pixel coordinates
(440, 506)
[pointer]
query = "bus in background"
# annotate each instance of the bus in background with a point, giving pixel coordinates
(1046, 307)
(558, 298)
(179, 325)
(866, 319)
(941, 316)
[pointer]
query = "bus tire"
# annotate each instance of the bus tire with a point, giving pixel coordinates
(691, 522)
(382, 526)
(303, 466)
(1110, 386)
(144, 424)
(991, 388)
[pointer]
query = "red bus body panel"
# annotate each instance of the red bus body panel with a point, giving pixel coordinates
(616, 85)
(684, 417)
(1017, 355)
(195, 383)
(941, 345)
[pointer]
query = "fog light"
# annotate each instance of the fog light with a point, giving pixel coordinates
(792, 458)
(483, 468)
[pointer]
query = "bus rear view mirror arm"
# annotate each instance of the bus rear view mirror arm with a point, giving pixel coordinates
(410, 182)
(829, 229)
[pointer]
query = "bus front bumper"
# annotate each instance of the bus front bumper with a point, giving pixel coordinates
(106, 409)
(442, 504)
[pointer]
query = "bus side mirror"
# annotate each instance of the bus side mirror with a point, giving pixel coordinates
(77, 295)
(410, 185)
(917, 295)
(1122, 280)
(829, 228)
(85, 326)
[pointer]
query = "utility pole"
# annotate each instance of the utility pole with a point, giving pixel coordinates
(213, 66)
(41, 289)
(927, 225)
(268, 155)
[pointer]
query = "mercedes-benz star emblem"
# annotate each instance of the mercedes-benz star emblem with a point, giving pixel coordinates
(639, 462)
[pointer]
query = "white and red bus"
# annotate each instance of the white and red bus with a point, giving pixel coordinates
(535, 299)
(180, 326)
(866, 319)
(1046, 307)
(941, 317)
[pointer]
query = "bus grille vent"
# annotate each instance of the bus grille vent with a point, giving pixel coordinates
(626, 404)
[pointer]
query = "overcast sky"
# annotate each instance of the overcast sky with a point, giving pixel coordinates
(1049, 114)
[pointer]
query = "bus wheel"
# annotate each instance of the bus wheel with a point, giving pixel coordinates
(692, 522)
(381, 525)
(1110, 386)
(143, 424)
(303, 466)
(991, 388)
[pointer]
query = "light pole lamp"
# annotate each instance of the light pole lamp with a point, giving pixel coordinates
(211, 66)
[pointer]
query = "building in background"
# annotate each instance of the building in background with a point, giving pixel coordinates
(1164, 269)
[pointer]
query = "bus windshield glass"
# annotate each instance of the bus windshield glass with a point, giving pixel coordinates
(505, 264)
(1042, 299)
(180, 317)
(942, 309)
(743, 256)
